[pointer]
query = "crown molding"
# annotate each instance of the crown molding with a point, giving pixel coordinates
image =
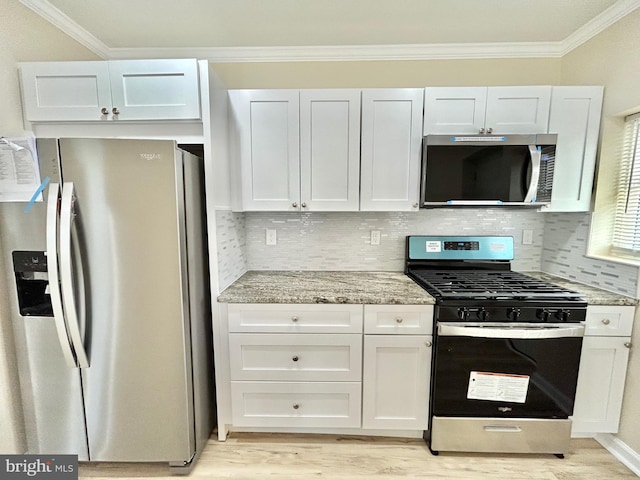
(68, 26)
(598, 24)
(444, 51)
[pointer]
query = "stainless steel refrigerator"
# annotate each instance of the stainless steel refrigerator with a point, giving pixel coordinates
(110, 302)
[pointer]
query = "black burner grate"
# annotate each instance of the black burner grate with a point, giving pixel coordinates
(474, 284)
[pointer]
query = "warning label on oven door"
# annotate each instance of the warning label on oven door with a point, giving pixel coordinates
(499, 387)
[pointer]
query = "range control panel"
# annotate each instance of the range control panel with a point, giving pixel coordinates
(425, 247)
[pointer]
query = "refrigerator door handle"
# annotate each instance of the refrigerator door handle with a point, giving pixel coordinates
(52, 272)
(66, 273)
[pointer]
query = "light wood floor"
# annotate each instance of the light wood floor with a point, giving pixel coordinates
(250, 456)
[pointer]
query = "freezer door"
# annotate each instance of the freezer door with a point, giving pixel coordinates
(51, 391)
(129, 216)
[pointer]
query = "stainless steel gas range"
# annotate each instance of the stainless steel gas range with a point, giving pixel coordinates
(506, 348)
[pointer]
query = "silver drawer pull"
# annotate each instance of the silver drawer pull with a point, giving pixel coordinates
(399, 320)
(294, 319)
(296, 406)
(428, 344)
(502, 428)
(295, 358)
(628, 344)
(606, 321)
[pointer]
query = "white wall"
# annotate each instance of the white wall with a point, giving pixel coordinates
(24, 36)
(612, 59)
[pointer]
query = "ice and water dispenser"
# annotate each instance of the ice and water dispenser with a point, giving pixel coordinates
(32, 282)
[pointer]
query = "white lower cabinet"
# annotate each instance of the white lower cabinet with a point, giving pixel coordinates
(303, 366)
(396, 366)
(603, 369)
(295, 366)
(296, 404)
(395, 381)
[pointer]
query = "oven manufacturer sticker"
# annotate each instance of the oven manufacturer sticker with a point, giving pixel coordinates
(434, 246)
(498, 387)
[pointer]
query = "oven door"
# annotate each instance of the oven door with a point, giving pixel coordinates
(506, 370)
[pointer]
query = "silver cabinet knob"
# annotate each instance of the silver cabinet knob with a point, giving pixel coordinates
(606, 321)
(115, 111)
(104, 111)
(295, 358)
(294, 204)
(481, 131)
(399, 320)
(428, 344)
(294, 319)
(304, 205)
(489, 130)
(296, 406)
(628, 344)
(415, 205)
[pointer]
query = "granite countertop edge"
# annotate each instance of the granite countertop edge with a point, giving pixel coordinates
(369, 288)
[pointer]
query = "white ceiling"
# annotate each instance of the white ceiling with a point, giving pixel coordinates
(114, 25)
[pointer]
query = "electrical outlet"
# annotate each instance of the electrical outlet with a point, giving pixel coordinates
(270, 236)
(527, 237)
(375, 237)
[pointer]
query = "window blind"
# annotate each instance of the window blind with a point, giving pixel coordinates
(626, 231)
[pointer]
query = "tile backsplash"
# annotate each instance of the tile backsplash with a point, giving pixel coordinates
(563, 254)
(342, 240)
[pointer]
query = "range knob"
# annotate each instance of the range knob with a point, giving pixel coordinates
(543, 314)
(463, 313)
(563, 315)
(513, 314)
(482, 314)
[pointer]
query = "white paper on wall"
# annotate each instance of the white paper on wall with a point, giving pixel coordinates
(19, 170)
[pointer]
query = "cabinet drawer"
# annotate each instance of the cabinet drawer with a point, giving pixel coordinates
(609, 320)
(398, 319)
(336, 358)
(266, 404)
(289, 318)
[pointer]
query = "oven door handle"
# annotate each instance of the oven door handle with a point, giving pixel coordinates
(493, 331)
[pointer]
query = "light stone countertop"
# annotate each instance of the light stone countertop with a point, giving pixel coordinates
(382, 288)
(377, 288)
(593, 295)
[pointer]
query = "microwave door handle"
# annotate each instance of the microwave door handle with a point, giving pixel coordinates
(52, 273)
(66, 271)
(536, 156)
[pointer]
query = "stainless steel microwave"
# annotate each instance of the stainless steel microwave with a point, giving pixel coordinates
(487, 169)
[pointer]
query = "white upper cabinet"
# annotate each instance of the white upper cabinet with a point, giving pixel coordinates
(267, 124)
(298, 150)
(575, 117)
(454, 109)
(114, 90)
(329, 150)
(498, 110)
(391, 141)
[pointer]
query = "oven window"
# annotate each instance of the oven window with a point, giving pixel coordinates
(468, 172)
(533, 378)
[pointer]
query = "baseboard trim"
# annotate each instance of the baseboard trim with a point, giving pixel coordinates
(623, 452)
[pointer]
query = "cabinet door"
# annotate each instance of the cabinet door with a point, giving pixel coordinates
(454, 109)
(329, 150)
(154, 89)
(267, 124)
(575, 117)
(603, 367)
(65, 91)
(390, 157)
(518, 109)
(395, 381)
